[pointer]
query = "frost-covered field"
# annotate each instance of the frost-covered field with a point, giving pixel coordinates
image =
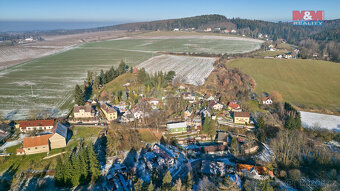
(192, 70)
(48, 82)
(324, 121)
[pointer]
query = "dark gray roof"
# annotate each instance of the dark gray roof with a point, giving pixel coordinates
(61, 130)
(221, 136)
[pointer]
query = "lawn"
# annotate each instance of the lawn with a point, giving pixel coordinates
(117, 84)
(85, 132)
(311, 83)
(147, 136)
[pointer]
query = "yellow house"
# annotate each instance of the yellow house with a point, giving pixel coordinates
(241, 117)
(83, 111)
(59, 138)
(36, 144)
(109, 112)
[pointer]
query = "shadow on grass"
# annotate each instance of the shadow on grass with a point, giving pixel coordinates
(7, 177)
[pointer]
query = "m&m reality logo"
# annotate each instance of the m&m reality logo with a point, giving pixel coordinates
(308, 18)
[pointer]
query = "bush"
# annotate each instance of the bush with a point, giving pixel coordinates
(283, 174)
(294, 174)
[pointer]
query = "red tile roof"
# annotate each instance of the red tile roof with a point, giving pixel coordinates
(36, 140)
(241, 114)
(266, 98)
(261, 170)
(233, 105)
(33, 123)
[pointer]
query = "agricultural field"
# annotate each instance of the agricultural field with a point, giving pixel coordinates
(191, 70)
(323, 121)
(48, 82)
(305, 83)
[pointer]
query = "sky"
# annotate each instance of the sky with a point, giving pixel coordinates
(113, 11)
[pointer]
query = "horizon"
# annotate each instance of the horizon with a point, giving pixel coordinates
(111, 13)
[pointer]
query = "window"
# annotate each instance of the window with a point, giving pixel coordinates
(36, 147)
(29, 149)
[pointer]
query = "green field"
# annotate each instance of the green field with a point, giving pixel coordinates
(51, 79)
(311, 83)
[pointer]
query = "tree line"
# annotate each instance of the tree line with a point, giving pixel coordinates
(158, 80)
(82, 94)
(78, 168)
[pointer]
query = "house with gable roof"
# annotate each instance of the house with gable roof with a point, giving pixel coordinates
(36, 144)
(59, 138)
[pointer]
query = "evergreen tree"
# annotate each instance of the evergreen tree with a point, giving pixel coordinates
(138, 185)
(79, 95)
(265, 185)
(59, 173)
(290, 123)
(170, 75)
(212, 129)
(89, 77)
(188, 182)
(234, 146)
(83, 166)
(67, 172)
(206, 125)
(121, 68)
(96, 82)
(155, 176)
(260, 123)
(167, 179)
(151, 187)
(298, 120)
(94, 168)
(103, 77)
(76, 171)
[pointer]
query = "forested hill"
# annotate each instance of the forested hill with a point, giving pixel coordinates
(197, 22)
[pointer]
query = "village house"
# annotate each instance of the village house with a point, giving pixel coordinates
(241, 117)
(31, 125)
(187, 112)
(255, 172)
(218, 106)
(176, 127)
(288, 55)
(85, 111)
(208, 29)
(153, 101)
(59, 138)
(222, 137)
(213, 168)
(191, 97)
(168, 155)
(226, 31)
(279, 56)
(36, 144)
(208, 97)
(109, 112)
(127, 117)
(267, 101)
(214, 149)
(233, 106)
